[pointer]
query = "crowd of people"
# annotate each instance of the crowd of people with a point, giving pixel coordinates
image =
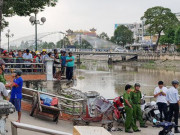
(62, 63)
(28, 61)
(165, 98)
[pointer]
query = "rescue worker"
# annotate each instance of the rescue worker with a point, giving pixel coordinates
(136, 100)
(129, 123)
(174, 102)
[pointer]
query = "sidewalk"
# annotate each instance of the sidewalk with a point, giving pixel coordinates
(64, 126)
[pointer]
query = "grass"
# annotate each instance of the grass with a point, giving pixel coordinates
(151, 62)
(100, 69)
(83, 67)
(110, 66)
(81, 77)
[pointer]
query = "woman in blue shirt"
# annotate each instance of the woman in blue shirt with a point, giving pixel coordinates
(70, 64)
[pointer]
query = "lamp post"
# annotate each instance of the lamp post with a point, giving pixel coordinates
(8, 35)
(33, 20)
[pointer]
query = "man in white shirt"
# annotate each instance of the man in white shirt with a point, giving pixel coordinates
(160, 93)
(27, 59)
(173, 100)
(3, 91)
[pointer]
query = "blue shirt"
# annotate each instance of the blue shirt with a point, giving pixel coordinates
(63, 58)
(70, 63)
(17, 90)
(172, 95)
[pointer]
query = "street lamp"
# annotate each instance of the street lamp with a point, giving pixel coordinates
(33, 20)
(8, 35)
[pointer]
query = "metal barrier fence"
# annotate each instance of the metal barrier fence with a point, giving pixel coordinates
(16, 125)
(30, 67)
(70, 106)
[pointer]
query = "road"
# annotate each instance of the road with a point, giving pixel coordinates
(65, 126)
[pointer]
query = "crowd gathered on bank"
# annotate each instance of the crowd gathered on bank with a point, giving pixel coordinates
(30, 61)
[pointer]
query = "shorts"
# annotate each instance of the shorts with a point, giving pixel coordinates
(17, 103)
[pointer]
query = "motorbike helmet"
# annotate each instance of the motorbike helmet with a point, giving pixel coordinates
(175, 82)
(18, 72)
(137, 85)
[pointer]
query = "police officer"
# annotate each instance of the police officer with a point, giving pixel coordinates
(136, 100)
(173, 100)
(129, 123)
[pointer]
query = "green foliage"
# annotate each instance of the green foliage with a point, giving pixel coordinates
(63, 43)
(122, 36)
(104, 36)
(177, 37)
(169, 37)
(159, 19)
(84, 45)
(23, 8)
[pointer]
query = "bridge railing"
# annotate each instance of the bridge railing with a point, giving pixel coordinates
(69, 105)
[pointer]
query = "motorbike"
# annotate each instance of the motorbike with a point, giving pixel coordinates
(119, 111)
(149, 110)
(167, 127)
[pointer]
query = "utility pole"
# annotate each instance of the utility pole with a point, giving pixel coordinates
(1, 8)
(33, 20)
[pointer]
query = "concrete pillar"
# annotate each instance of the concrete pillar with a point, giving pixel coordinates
(79, 59)
(49, 69)
(123, 58)
(110, 60)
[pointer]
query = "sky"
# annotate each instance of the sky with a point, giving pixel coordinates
(87, 14)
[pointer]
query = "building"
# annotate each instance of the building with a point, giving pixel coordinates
(136, 28)
(76, 35)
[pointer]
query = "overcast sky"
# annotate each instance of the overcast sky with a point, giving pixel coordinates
(86, 14)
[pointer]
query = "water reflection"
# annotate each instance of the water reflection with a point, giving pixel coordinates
(109, 80)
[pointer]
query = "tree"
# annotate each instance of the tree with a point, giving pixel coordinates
(63, 43)
(84, 45)
(169, 36)
(159, 19)
(177, 37)
(104, 36)
(122, 36)
(9, 8)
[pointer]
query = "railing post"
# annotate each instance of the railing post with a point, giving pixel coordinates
(49, 69)
(13, 129)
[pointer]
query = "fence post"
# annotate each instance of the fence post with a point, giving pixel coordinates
(49, 69)
(13, 129)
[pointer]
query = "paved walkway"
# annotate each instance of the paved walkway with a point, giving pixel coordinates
(65, 126)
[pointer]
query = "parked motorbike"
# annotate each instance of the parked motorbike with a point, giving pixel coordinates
(149, 110)
(167, 127)
(119, 111)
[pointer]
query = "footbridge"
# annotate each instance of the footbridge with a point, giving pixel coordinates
(123, 55)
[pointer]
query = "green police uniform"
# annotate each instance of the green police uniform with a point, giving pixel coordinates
(137, 113)
(129, 114)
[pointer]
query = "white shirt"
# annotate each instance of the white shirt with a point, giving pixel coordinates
(161, 98)
(25, 56)
(172, 95)
(3, 90)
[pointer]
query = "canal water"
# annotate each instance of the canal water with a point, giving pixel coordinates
(110, 80)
